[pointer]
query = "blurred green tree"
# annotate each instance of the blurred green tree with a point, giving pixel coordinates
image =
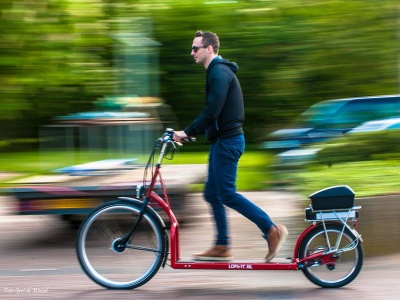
(291, 54)
(56, 55)
(54, 60)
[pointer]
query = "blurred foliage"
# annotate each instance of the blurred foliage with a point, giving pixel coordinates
(53, 60)
(56, 55)
(361, 147)
(367, 162)
(291, 54)
(366, 178)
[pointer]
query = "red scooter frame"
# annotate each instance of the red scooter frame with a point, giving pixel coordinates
(325, 264)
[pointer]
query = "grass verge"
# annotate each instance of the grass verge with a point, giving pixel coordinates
(366, 178)
(253, 172)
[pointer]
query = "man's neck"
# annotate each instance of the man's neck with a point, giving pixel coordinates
(208, 62)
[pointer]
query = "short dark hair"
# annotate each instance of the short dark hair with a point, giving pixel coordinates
(209, 38)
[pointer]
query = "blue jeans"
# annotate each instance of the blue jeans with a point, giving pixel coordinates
(220, 188)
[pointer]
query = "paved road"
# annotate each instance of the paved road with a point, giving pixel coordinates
(37, 261)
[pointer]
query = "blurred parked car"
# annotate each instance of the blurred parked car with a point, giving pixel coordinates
(304, 155)
(332, 118)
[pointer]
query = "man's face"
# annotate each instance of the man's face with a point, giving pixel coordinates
(202, 54)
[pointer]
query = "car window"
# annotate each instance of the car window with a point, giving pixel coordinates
(359, 111)
(345, 114)
(364, 110)
(318, 114)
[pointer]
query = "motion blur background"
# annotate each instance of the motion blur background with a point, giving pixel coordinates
(58, 56)
(64, 61)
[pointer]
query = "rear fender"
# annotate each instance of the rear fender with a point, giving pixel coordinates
(301, 238)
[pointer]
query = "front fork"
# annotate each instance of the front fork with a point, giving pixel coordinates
(119, 245)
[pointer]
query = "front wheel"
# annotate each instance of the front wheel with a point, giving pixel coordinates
(348, 257)
(108, 263)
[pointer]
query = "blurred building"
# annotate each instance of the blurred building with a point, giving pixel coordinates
(128, 122)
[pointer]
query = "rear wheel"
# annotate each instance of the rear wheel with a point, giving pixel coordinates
(349, 256)
(105, 261)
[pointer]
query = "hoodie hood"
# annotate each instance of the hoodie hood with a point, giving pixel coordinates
(219, 60)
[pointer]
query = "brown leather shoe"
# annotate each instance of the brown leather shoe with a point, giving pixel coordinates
(276, 236)
(216, 253)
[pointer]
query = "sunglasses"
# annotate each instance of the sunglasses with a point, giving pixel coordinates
(196, 48)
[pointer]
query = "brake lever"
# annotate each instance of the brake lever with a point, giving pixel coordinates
(188, 139)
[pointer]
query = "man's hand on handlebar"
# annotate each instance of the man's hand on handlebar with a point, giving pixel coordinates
(180, 136)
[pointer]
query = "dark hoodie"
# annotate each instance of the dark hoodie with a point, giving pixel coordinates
(223, 114)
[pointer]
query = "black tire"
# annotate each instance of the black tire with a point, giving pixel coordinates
(348, 264)
(127, 268)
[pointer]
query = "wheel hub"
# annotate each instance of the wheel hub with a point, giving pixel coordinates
(118, 247)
